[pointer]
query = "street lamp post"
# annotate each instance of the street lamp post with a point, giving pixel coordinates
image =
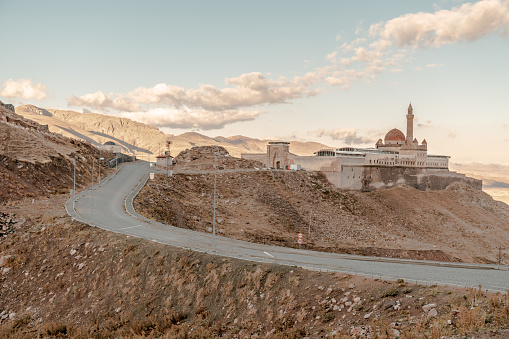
(99, 166)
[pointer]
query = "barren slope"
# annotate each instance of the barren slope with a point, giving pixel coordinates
(458, 223)
(35, 161)
(62, 279)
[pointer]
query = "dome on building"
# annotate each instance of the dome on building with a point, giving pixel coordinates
(109, 143)
(394, 135)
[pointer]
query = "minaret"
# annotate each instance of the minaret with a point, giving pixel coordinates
(410, 124)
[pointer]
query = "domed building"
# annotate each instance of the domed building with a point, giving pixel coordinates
(397, 160)
(395, 140)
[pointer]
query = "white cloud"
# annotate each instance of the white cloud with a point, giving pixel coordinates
(348, 136)
(467, 22)
(206, 107)
(332, 57)
(384, 46)
(250, 89)
(346, 62)
(102, 101)
(186, 118)
(23, 88)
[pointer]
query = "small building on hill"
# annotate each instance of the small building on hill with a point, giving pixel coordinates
(164, 160)
(110, 146)
(397, 160)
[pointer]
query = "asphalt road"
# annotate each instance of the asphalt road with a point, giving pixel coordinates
(109, 206)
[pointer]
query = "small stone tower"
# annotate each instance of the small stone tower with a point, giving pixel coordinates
(277, 154)
(410, 124)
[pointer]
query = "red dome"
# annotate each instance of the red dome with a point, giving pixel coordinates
(395, 135)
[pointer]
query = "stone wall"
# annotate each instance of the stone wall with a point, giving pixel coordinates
(378, 177)
(261, 157)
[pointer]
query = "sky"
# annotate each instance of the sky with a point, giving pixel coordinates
(337, 72)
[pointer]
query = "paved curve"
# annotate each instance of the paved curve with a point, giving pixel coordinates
(105, 207)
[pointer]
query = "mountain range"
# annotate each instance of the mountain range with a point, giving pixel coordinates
(148, 142)
(145, 140)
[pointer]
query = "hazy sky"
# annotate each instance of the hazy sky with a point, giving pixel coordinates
(337, 72)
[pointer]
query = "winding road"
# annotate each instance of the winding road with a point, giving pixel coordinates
(109, 206)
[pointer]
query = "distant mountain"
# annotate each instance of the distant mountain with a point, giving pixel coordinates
(146, 140)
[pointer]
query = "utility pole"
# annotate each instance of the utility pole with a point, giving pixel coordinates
(500, 254)
(214, 214)
(309, 225)
(74, 185)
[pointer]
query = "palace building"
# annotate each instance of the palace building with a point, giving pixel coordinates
(397, 160)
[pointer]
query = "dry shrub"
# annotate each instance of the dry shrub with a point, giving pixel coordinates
(154, 325)
(55, 329)
(272, 279)
(469, 320)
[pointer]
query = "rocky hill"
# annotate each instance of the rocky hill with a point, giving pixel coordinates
(456, 224)
(36, 162)
(146, 140)
(63, 279)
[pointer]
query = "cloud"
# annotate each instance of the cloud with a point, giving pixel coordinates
(427, 124)
(23, 88)
(332, 57)
(247, 90)
(101, 101)
(387, 45)
(468, 22)
(348, 136)
(186, 118)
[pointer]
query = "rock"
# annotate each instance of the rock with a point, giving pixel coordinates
(3, 260)
(357, 300)
(367, 315)
(428, 307)
(348, 303)
(351, 286)
(389, 304)
(395, 332)
(209, 229)
(433, 313)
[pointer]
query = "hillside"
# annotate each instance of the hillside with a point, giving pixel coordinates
(63, 279)
(456, 224)
(37, 162)
(147, 140)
